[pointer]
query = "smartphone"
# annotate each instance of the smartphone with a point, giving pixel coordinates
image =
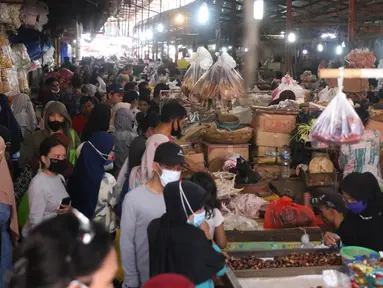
(66, 201)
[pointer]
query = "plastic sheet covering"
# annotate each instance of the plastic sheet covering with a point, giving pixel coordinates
(20, 57)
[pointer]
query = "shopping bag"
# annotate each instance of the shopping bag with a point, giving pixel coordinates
(284, 213)
(338, 123)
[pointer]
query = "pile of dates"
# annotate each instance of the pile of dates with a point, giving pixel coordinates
(289, 260)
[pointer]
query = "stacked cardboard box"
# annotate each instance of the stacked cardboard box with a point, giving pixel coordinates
(272, 131)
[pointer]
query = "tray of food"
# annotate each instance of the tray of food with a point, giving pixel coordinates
(280, 263)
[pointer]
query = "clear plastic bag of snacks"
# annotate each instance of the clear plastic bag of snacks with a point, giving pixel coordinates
(20, 56)
(13, 83)
(200, 62)
(5, 52)
(22, 77)
(220, 82)
(338, 123)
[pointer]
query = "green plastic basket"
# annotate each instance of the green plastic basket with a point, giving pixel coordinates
(350, 252)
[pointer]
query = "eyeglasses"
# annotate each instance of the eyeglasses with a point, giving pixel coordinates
(86, 233)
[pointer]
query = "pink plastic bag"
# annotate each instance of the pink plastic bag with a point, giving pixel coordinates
(338, 123)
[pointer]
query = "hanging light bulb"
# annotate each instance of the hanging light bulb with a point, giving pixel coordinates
(305, 52)
(339, 50)
(320, 47)
(180, 19)
(160, 28)
(203, 13)
(343, 45)
(258, 9)
(291, 37)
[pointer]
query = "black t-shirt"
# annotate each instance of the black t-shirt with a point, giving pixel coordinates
(154, 107)
(365, 230)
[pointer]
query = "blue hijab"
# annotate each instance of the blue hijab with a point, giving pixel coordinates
(84, 185)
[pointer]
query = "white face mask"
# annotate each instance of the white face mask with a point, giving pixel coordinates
(76, 283)
(169, 176)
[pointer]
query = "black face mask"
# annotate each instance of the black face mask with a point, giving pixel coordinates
(176, 133)
(55, 125)
(58, 166)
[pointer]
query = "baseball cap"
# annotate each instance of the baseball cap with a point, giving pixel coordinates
(115, 88)
(169, 154)
(332, 200)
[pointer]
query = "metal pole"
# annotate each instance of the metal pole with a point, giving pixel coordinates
(252, 44)
(234, 28)
(289, 19)
(351, 21)
(218, 24)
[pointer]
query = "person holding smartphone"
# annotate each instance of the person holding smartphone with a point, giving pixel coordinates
(47, 189)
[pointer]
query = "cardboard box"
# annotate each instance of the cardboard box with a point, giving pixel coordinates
(213, 151)
(197, 158)
(350, 85)
(268, 171)
(277, 123)
(270, 139)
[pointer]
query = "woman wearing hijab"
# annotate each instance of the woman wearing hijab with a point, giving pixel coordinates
(8, 215)
(114, 110)
(169, 281)
(24, 114)
(98, 121)
(363, 225)
(124, 135)
(90, 187)
(178, 242)
(8, 120)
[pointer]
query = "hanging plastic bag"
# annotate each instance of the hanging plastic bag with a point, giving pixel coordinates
(13, 83)
(23, 81)
(283, 213)
(338, 123)
(220, 82)
(200, 62)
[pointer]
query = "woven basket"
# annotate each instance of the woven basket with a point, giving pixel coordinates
(240, 136)
(376, 114)
(228, 119)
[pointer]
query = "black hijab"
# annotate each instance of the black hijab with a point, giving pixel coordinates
(99, 120)
(8, 120)
(178, 247)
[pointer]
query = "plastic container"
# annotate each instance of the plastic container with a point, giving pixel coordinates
(285, 163)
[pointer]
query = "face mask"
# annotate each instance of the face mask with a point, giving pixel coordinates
(357, 207)
(169, 176)
(57, 166)
(176, 133)
(198, 219)
(55, 92)
(109, 165)
(55, 125)
(77, 284)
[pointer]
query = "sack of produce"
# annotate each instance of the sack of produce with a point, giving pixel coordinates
(220, 82)
(360, 58)
(284, 213)
(237, 222)
(200, 62)
(247, 205)
(338, 123)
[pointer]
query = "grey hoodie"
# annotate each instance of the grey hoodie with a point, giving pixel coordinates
(123, 135)
(30, 148)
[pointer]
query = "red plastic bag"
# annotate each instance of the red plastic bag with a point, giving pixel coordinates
(284, 213)
(338, 123)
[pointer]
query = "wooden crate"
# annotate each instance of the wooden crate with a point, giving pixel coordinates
(319, 179)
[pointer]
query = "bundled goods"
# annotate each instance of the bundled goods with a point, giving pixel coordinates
(338, 123)
(360, 58)
(10, 15)
(259, 99)
(288, 83)
(220, 136)
(247, 205)
(9, 84)
(225, 182)
(233, 221)
(288, 261)
(20, 57)
(200, 62)
(194, 132)
(221, 82)
(22, 77)
(326, 95)
(307, 76)
(283, 213)
(5, 53)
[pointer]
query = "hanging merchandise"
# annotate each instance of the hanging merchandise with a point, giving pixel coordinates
(360, 58)
(200, 62)
(20, 56)
(288, 83)
(338, 123)
(221, 82)
(9, 82)
(10, 14)
(5, 52)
